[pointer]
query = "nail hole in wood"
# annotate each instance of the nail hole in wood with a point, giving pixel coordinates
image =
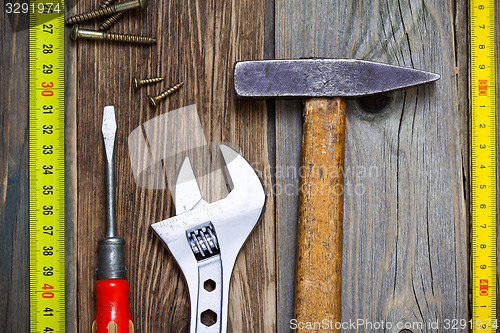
(375, 103)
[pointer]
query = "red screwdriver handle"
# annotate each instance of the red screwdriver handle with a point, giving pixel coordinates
(112, 313)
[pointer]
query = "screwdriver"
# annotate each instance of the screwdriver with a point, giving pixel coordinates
(111, 289)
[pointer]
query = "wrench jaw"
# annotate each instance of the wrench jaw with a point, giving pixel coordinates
(187, 193)
(244, 182)
(190, 233)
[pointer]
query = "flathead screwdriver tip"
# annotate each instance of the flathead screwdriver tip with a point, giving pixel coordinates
(109, 131)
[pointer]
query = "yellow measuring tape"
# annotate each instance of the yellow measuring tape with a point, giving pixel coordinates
(46, 166)
(483, 166)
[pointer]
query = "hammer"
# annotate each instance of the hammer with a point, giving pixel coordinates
(324, 84)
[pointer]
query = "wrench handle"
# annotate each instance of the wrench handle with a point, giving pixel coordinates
(319, 244)
(112, 309)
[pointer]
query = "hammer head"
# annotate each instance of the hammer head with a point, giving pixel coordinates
(307, 78)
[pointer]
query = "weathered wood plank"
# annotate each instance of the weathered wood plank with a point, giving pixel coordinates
(405, 257)
(288, 148)
(14, 174)
(164, 307)
(198, 42)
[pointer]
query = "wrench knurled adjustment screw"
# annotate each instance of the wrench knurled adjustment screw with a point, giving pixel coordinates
(203, 242)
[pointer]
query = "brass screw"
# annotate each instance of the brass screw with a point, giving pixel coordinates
(155, 99)
(108, 23)
(107, 3)
(92, 34)
(107, 11)
(138, 83)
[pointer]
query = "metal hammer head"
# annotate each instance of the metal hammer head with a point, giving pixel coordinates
(307, 78)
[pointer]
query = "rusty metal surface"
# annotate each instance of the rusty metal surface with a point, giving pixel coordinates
(322, 78)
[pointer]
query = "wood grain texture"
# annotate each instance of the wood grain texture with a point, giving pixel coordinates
(14, 174)
(198, 43)
(405, 253)
(321, 210)
(288, 153)
(405, 222)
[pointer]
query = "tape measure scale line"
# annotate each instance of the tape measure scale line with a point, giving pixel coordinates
(483, 150)
(47, 294)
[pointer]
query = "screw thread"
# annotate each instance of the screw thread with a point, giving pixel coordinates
(114, 37)
(108, 23)
(107, 3)
(169, 91)
(154, 100)
(107, 11)
(152, 80)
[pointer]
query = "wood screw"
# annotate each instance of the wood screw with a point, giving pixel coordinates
(107, 3)
(155, 99)
(138, 83)
(108, 23)
(107, 11)
(114, 37)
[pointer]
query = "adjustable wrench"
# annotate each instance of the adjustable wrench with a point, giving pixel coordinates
(205, 238)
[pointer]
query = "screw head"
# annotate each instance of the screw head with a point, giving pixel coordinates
(74, 32)
(144, 4)
(136, 83)
(153, 100)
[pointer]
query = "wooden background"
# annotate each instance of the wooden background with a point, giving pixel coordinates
(407, 157)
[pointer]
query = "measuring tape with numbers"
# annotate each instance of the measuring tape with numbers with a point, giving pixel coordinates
(46, 166)
(483, 166)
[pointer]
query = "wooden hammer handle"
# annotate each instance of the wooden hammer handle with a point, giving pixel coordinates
(319, 248)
